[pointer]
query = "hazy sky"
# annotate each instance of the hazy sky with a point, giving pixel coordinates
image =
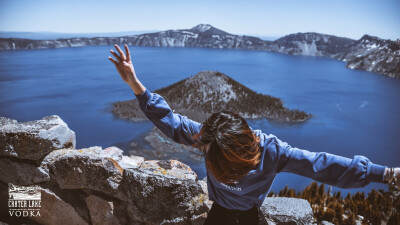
(348, 18)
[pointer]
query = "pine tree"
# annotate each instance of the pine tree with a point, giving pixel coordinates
(394, 219)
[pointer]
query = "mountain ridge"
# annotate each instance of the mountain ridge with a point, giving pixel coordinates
(369, 53)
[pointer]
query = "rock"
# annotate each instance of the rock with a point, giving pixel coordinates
(112, 152)
(163, 148)
(326, 223)
(280, 210)
(155, 198)
(54, 210)
(94, 151)
(131, 161)
(84, 169)
(203, 184)
(96, 186)
(34, 139)
(101, 211)
(195, 220)
(172, 168)
(21, 173)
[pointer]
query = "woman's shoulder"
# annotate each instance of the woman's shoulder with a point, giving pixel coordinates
(267, 139)
(270, 145)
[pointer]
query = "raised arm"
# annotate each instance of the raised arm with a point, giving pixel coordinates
(177, 127)
(329, 168)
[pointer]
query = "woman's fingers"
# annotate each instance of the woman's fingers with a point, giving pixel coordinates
(116, 56)
(113, 61)
(128, 54)
(120, 52)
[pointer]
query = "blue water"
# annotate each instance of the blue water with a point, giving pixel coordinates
(354, 112)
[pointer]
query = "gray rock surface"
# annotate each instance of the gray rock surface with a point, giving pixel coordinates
(280, 210)
(34, 139)
(84, 169)
(21, 172)
(155, 197)
(131, 161)
(96, 186)
(172, 168)
(54, 210)
(101, 211)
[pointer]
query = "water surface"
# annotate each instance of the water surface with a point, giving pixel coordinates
(354, 112)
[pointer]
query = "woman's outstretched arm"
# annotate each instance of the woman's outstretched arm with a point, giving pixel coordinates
(177, 127)
(332, 169)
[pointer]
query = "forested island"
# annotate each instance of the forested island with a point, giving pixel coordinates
(198, 96)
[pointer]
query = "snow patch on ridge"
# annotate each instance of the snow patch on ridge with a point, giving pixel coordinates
(203, 27)
(308, 49)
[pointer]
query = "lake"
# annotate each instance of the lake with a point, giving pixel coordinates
(354, 112)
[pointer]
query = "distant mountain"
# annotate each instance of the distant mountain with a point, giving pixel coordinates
(375, 55)
(369, 53)
(310, 44)
(56, 35)
(207, 92)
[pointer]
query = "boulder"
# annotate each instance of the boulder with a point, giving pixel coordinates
(96, 186)
(281, 210)
(84, 169)
(101, 211)
(112, 152)
(172, 168)
(34, 139)
(21, 172)
(54, 210)
(131, 161)
(203, 185)
(156, 198)
(123, 160)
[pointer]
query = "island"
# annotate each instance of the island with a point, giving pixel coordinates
(198, 96)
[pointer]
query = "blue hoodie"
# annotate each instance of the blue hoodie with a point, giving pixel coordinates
(277, 156)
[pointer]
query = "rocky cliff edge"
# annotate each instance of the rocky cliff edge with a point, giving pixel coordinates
(104, 186)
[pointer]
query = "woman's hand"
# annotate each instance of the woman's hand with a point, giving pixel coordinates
(124, 66)
(397, 175)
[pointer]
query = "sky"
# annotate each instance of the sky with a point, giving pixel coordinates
(346, 18)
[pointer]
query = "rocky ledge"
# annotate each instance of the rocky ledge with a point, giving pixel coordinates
(104, 186)
(210, 91)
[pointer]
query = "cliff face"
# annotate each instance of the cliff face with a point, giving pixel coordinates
(375, 55)
(209, 91)
(310, 44)
(103, 186)
(368, 53)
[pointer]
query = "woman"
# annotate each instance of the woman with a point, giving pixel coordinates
(241, 162)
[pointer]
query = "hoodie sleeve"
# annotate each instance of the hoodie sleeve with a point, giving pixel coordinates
(177, 127)
(328, 168)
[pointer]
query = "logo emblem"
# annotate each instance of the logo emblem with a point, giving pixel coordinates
(24, 201)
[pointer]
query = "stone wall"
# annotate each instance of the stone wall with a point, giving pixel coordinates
(103, 186)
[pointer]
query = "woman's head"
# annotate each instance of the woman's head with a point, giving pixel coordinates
(233, 147)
